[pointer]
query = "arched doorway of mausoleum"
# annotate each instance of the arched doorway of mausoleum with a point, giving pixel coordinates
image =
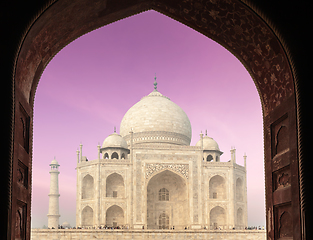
(218, 218)
(167, 204)
(115, 186)
(87, 187)
(115, 216)
(87, 217)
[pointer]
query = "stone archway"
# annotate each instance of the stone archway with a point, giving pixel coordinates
(239, 219)
(217, 187)
(87, 187)
(114, 216)
(231, 23)
(239, 190)
(87, 217)
(218, 218)
(167, 197)
(115, 186)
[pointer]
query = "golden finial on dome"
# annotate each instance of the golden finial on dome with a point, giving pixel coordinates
(155, 83)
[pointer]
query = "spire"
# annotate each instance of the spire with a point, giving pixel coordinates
(233, 154)
(99, 150)
(155, 83)
(53, 213)
(114, 129)
(206, 132)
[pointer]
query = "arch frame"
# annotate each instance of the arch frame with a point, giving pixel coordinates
(110, 176)
(147, 181)
(28, 66)
(81, 215)
(85, 194)
(224, 190)
(163, 170)
(225, 215)
(119, 205)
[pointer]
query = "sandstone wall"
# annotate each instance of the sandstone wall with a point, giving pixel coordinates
(88, 234)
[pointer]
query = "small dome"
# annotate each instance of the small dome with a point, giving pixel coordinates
(114, 141)
(54, 162)
(66, 225)
(208, 144)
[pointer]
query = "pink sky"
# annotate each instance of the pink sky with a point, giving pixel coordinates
(90, 84)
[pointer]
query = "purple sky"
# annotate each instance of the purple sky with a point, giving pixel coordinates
(89, 85)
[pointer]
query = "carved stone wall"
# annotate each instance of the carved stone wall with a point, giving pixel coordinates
(152, 168)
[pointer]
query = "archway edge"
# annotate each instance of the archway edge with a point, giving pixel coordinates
(216, 175)
(164, 170)
(230, 23)
(109, 175)
(119, 205)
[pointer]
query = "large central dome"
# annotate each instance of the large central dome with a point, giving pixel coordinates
(156, 119)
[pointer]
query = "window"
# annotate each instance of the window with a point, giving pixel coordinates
(214, 195)
(115, 194)
(114, 155)
(209, 158)
(164, 195)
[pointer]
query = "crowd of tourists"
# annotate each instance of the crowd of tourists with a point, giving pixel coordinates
(126, 227)
(89, 227)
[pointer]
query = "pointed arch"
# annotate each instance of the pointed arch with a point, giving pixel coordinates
(239, 190)
(114, 216)
(167, 190)
(217, 187)
(240, 218)
(218, 218)
(87, 216)
(87, 187)
(115, 186)
(114, 155)
(209, 158)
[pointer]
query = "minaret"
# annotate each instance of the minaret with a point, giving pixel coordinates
(201, 138)
(81, 152)
(245, 160)
(233, 154)
(99, 148)
(53, 215)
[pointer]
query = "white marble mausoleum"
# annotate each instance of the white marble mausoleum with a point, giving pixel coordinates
(149, 176)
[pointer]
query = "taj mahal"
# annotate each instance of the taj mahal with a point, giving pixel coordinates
(149, 177)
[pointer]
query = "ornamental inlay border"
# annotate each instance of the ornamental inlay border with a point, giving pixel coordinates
(152, 168)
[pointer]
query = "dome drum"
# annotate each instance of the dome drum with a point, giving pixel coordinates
(158, 137)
